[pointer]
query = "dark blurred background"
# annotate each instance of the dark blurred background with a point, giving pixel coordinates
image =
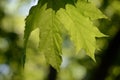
(74, 66)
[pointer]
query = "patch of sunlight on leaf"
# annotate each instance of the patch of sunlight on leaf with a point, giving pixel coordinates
(35, 57)
(34, 38)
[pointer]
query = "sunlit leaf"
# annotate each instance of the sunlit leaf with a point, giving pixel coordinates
(78, 21)
(74, 15)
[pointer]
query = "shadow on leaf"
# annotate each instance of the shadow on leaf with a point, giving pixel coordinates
(56, 4)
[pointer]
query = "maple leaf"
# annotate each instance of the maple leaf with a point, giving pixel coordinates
(74, 15)
(78, 21)
(50, 34)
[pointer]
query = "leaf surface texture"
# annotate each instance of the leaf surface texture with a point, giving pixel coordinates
(51, 16)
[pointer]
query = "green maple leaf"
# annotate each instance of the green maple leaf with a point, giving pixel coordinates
(74, 15)
(78, 21)
(50, 34)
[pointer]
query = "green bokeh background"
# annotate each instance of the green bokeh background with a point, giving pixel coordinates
(74, 66)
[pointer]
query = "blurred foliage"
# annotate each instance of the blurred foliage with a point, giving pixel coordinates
(74, 67)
